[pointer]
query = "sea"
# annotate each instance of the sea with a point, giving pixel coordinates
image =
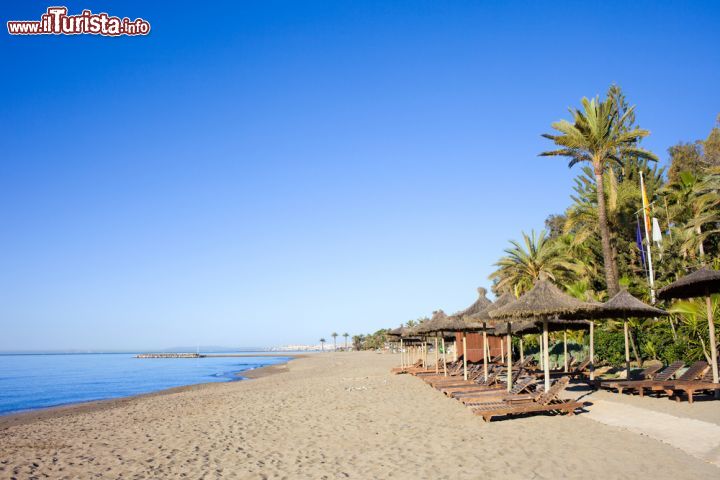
(34, 381)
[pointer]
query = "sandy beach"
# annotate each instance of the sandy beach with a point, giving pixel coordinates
(342, 415)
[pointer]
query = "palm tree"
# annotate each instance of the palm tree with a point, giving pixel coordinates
(346, 335)
(322, 344)
(524, 263)
(695, 206)
(334, 335)
(599, 134)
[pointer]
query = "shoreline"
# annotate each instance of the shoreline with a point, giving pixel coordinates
(91, 406)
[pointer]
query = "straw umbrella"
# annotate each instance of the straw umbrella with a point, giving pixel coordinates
(464, 323)
(623, 305)
(433, 326)
(702, 282)
(545, 303)
(395, 335)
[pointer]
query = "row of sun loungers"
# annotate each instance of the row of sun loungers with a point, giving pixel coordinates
(489, 398)
(697, 378)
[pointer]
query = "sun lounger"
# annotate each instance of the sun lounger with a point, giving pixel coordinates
(483, 396)
(705, 385)
(694, 372)
(479, 383)
(638, 385)
(699, 380)
(397, 370)
(535, 403)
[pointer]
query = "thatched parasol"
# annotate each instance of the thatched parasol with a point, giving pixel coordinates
(702, 282)
(623, 305)
(434, 325)
(546, 303)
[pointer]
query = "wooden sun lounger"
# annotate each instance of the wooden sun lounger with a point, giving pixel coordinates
(690, 382)
(473, 376)
(478, 383)
(633, 385)
(540, 402)
(493, 383)
(453, 369)
(484, 396)
(646, 374)
(397, 370)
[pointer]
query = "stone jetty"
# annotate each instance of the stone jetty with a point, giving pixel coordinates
(169, 355)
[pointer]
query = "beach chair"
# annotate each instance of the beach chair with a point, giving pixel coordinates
(454, 376)
(697, 380)
(474, 373)
(479, 397)
(648, 373)
(493, 383)
(704, 385)
(398, 370)
(638, 385)
(452, 368)
(478, 383)
(534, 403)
(693, 372)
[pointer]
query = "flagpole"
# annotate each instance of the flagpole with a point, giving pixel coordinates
(647, 240)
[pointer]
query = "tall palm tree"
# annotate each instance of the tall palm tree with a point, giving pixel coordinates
(599, 135)
(322, 344)
(525, 262)
(334, 335)
(346, 335)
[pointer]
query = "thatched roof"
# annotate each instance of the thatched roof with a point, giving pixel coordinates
(478, 305)
(547, 301)
(501, 301)
(697, 284)
(434, 324)
(624, 305)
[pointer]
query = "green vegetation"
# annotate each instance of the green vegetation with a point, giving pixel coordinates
(591, 248)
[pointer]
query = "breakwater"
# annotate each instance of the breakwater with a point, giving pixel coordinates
(169, 355)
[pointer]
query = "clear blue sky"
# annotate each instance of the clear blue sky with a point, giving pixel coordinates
(263, 172)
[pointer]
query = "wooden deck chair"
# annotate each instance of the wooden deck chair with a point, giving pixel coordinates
(695, 371)
(474, 375)
(521, 404)
(483, 396)
(689, 383)
(633, 385)
(493, 383)
(478, 383)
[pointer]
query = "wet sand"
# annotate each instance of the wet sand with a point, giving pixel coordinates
(332, 415)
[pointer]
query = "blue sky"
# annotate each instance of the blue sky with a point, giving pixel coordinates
(264, 172)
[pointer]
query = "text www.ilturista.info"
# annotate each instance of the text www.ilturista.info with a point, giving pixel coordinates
(56, 21)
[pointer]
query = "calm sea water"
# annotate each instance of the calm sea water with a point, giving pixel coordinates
(36, 381)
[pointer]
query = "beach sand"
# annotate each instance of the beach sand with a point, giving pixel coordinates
(332, 415)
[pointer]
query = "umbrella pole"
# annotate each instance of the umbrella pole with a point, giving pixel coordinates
(509, 360)
(486, 351)
(592, 350)
(424, 348)
(402, 356)
(540, 353)
(522, 351)
(502, 351)
(713, 341)
(546, 358)
(565, 355)
(437, 357)
(627, 349)
(464, 358)
(444, 357)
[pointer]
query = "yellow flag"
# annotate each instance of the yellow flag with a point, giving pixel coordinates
(646, 206)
